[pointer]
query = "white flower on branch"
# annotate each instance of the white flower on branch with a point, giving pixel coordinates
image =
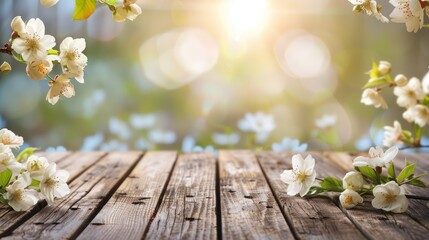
(377, 157)
(40, 68)
(409, 94)
(48, 3)
(392, 135)
(61, 86)
(371, 96)
(390, 197)
(20, 198)
(409, 12)
(301, 176)
(260, 123)
(384, 67)
(401, 80)
(54, 183)
(32, 42)
(72, 59)
(17, 24)
(350, 198)
(7, 161)
(130, 10)
(353, 181)
(37, 166)
(425, 83)
(10, 139)
(418, 114)
(370, 8)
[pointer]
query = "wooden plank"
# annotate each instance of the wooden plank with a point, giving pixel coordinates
(128, 212)
(249, 209)
(310, 218)
(188, 208)
(68, 216)
(377, 223)
(9, 219)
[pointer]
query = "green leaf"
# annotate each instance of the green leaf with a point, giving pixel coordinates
(391, 170)
(83, 9)
(417, 182)
(376, 83)
(332, 184)
(5, 177)
(109, 2)
(35, 183)
(406, 172)
(25, 154)
(53, 52)
(315, 190)
(369, 173)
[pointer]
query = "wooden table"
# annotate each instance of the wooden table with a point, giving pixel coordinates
(160, 195)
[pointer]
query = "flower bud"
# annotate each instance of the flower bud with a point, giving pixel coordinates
(48, 3)
(353, 181)
(5, 67)
(384, 67)
(401, 80)
(350, 198)
(17, 24)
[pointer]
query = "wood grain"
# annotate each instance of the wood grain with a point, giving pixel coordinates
(310, 218)
(128, 212)
(188, 208)
(249, 209)
(377, 223)
(68, 216)
(11, 219)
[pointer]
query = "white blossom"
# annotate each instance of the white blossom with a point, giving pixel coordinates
(32, 42)
(10, 139)
(372, 97)
(54, 183)
(20, 198)
(119, 128)
(401, 80)
(384, 67)
(61, 86)
(162, 136)
(327, 120)
(5, 67)
(260, 123)
(130, 10)
(48, 3)
(289, 144)
(377, 157)
(409, 12)
(392, 135)
(37, 166)
(418, 114)
(72, 59)
(425, 83)
(353, 181)
(17, 24)
(224, 139)
(8, 161)
(39, 68)
(390, 197)
(409, 94)
(350, 198)
(301, 176)
(370, 8)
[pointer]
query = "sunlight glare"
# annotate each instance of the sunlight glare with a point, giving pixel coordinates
(244, 16)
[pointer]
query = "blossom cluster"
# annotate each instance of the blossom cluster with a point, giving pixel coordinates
(367, 179)
(410, 12)
(26, 178)
(128, 9)
(412, 95)
(30, 45)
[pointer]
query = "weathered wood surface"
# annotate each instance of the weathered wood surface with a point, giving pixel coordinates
(170, 195)
(188, 209)
(249, 209)
(128, 212)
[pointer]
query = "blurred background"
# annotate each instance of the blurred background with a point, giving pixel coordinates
(184, 73)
